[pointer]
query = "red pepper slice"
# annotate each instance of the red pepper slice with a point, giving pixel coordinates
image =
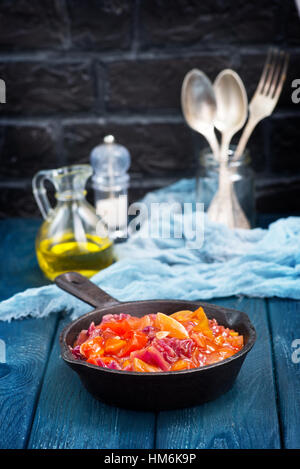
(136, 340)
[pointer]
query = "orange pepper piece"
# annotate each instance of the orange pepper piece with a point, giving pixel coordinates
(92, 346)
(182, 316)
(145, 321)
(181, 365)
(174, 327)
(126, 363)
(202, 323)
(114, 344)
(200, 315)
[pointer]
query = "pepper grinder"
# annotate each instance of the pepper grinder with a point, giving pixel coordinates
(110, 180)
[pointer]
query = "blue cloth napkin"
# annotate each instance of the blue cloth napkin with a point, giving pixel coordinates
(258, 262)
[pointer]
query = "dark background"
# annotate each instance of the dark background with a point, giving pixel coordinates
(76, 70)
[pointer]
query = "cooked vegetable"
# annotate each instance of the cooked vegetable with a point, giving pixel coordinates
(156, 342)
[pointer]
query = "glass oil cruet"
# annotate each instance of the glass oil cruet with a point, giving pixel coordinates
(72, 237)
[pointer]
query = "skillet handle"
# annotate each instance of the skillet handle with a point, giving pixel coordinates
(84, 289)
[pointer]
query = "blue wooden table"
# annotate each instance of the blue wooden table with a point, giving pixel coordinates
(44, 405)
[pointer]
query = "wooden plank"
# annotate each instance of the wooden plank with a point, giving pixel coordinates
(245, 417)
(67, 416)
(18, 267)
(285, 328)
(27, 343)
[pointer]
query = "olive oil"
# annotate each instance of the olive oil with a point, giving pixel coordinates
(72, 237)
(56, 257)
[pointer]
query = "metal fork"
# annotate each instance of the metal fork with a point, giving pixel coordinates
(266, 95)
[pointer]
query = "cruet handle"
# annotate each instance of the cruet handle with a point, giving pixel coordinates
(40, 193)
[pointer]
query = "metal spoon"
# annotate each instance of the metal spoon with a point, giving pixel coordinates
(232, 105)
(199, 106)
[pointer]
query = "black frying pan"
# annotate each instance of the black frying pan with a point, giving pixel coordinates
(150, 391)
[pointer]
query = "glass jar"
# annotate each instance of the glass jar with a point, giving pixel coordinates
(242, 177)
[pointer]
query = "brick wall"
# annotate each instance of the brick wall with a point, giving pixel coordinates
(76, 70)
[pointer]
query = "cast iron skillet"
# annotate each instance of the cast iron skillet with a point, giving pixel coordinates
(150, 391)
